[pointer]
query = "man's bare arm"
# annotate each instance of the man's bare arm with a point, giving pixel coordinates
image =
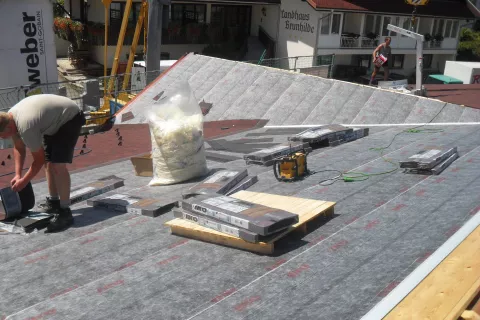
(37, 164)
(376, 50)
(19, 153)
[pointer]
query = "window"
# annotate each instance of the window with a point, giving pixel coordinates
(330, 23)
(451, 29)
(372, 24)
(117, 9)
(445, 28)
(454, 29)
(336, 18)
(396, 61)
(389, 20)
(188, 13)
(438, 27)
(448, 29)
(427, 61)
(325, 23)
(407, 24)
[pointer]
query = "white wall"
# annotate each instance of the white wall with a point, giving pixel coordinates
(269, 22)
(293, 42)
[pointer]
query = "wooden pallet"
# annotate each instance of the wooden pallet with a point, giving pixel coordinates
(308, 210)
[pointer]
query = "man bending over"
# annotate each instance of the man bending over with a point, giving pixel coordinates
(49, 125)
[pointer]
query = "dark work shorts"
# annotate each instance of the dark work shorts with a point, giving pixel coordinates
(59, 148)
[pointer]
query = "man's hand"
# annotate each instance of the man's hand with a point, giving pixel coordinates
(14, 180)
(19, 184)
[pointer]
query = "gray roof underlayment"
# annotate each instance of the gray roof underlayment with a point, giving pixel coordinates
(112, 265)
(239, 90)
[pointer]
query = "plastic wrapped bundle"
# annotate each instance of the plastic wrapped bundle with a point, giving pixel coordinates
(176, 130)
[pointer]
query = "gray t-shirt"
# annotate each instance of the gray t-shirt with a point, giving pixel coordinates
(386, 52)
(40, 115)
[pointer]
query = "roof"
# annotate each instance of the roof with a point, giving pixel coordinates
(121, 266)
(237, 90)
(114, 265)
(460, 94)
(441, 8)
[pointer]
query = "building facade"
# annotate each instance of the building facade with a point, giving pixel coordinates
(348, 29)
(218, 28)
(352, 29)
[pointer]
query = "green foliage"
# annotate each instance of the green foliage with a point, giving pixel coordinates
(469, 46)
(57, 9)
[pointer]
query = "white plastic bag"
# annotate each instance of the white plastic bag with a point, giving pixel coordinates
(176, 130)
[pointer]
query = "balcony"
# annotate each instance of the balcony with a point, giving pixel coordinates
(364, 32)
(357, 41)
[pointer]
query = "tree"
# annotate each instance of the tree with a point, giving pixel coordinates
(469, 46)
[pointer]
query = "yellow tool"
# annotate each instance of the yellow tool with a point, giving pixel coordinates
(291, 167)
(105, 111)
(417, 2)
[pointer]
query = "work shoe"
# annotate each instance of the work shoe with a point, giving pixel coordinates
(50, 206)
(62, 220)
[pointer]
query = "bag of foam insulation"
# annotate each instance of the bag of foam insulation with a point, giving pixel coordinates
(176, 130)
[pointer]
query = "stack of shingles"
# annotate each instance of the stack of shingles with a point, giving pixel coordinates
(224, 182)
(430, 161)
(242, 219)
(307, 140)
(329, 135)
(208, 204)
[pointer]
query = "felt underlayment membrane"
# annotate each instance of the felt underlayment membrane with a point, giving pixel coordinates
(238, 90)
(122, 266)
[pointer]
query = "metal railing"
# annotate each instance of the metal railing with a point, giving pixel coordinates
(88, 93)
(358, 42)
(316, 65)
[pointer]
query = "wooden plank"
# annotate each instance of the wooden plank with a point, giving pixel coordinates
(307, 210)
(448, 289)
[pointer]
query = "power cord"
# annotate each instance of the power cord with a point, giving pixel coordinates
(352, 176)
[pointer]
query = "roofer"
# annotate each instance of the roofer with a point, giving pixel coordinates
(49, 125)
(385, 50)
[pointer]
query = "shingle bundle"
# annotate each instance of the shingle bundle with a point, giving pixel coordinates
(249, 221)
(432, 160)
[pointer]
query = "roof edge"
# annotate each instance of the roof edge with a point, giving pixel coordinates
(314, 5)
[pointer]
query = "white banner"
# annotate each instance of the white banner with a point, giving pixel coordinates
(27, 53)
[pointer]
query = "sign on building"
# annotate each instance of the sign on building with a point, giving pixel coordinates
(27, 44)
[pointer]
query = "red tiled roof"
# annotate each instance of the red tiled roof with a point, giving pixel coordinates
(463, 94)
(135, 141)
(442, 8)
